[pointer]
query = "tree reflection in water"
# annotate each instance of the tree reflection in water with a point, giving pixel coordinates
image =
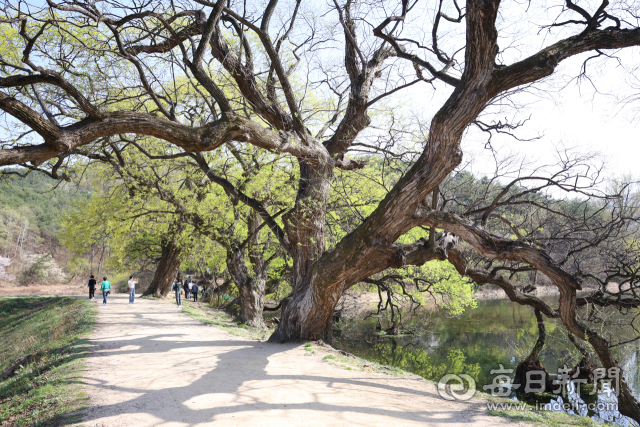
(494, 333)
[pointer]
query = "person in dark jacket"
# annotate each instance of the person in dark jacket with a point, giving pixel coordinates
(186, 287)
(92, 288)
(194, 291)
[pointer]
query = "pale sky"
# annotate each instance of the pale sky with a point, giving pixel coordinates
(567, 115)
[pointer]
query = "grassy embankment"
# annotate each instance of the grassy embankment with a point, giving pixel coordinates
(542, 418)
(219, 319)
(52, 333)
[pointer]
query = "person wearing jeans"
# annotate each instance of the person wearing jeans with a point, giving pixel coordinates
(132, 289)
(105, 287)
(177, 287)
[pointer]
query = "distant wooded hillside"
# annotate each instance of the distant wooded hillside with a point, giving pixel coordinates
(30, 211)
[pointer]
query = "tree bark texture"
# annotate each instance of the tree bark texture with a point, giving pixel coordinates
(370, 248)
(166, 271)
(251, 289)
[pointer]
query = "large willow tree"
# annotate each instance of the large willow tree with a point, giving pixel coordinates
(264, 73)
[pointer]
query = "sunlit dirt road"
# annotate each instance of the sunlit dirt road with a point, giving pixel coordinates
(151, 365)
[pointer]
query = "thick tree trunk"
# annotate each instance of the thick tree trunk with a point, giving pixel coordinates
(306, 312)
(305, 318)
(166, 271)
(321, 278)
(305, 224)
(251, 289)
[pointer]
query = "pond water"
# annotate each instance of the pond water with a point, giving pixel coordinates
(480, 340)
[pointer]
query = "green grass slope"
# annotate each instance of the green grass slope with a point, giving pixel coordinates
(52, 332)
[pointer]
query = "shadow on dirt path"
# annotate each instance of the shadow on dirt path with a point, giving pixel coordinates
(151, 365)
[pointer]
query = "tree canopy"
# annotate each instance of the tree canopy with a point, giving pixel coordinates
(304, 83)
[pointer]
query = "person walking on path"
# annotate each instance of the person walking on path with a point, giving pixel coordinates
(190, 286)
(194, 291)
(105, 287)
(177, 288)
(132, 288)
(187, 286)
(92, 288)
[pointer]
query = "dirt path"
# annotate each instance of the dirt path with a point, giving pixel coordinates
(151, 365)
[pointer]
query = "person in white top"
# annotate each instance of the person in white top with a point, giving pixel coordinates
(132, 288)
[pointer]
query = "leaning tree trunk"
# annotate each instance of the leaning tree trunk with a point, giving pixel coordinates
(320, 278)
(627, 403)
(251, 289)
(166, 271)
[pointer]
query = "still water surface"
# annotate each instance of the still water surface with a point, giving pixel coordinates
(480, 340)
